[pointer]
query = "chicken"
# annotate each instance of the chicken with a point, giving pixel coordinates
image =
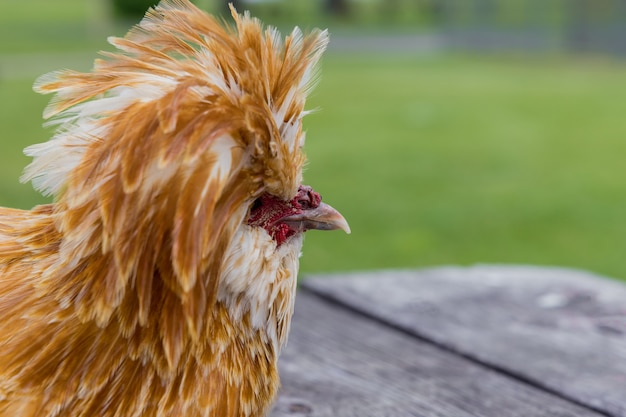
(161, 280)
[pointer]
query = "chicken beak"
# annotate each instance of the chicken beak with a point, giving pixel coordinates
(322, 217)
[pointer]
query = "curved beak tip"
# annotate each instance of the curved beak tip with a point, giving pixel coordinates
(323, 217)
(343, 225)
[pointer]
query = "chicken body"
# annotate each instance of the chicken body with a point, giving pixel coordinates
(161, 281)
(58, 360)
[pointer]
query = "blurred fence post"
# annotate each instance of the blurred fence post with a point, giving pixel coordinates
(597, 25)
(578, 36)
(337, 7)
(485, 13)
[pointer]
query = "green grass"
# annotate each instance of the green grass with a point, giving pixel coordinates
(41, 25)
(441, 160)
(20, 125)
(458, 161)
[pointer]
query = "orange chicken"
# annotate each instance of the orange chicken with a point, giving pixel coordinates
(161, 280)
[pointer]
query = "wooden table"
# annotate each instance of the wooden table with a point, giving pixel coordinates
(492, 341)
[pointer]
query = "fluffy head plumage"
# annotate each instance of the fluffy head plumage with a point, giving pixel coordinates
(198, 80)
(187, 116)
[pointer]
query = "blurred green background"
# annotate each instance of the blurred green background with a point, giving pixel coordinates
(450, 132)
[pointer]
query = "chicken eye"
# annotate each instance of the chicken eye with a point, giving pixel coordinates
(256, 205)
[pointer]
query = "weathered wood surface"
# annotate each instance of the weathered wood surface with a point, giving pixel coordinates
(339, 363)
(562, 331)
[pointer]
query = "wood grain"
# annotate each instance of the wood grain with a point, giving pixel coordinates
(561, 330)
(340, 364)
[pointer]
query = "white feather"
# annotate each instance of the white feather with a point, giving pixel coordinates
(253, 285)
